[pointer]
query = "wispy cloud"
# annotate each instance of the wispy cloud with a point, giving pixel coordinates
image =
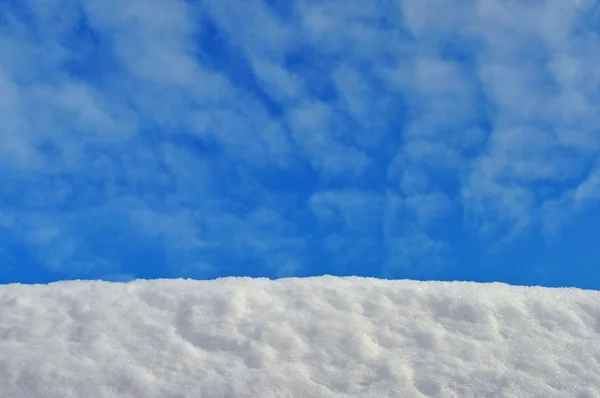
(291, 136)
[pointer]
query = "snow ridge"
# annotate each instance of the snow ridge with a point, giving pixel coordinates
(312, 337)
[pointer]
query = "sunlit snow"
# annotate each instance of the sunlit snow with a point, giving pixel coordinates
(315, 337)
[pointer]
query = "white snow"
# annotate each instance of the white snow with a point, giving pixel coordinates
(315, 337)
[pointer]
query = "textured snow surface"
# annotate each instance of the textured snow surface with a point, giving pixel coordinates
(315, 337)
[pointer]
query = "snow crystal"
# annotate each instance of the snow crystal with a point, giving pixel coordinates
(314, 337)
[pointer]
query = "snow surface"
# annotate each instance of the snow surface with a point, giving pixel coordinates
(315, 337)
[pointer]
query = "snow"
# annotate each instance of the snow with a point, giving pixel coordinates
(313, 337)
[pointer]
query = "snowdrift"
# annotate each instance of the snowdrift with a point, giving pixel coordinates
(315, 337)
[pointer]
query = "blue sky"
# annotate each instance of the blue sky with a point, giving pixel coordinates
(399, 139)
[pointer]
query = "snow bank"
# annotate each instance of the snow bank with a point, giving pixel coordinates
(316, 337)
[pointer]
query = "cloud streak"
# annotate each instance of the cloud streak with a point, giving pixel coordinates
(292, 138)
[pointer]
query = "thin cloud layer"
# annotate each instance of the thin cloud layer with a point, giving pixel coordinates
(292, 138)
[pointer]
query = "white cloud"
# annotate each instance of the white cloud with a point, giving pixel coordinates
(356, 210)
(484, 107)
(415, 252)
(533, 70)
(429, 207)
(589, 188)
(313, 128)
